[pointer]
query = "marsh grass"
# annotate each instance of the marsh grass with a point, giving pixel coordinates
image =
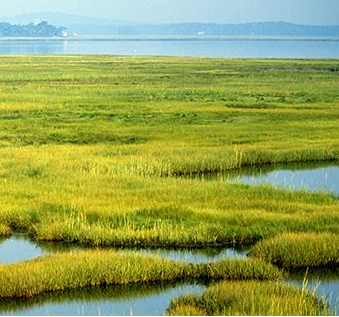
(249, 299)
(77, 270)
(162, 212)
(295, 250)
(86, 141)
(5, 230)
(93, 268)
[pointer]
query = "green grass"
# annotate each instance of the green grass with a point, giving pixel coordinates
(93, 268)
(85, 139)
(249, 299)
(292, 250)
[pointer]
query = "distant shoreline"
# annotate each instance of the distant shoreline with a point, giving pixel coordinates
(170, 38)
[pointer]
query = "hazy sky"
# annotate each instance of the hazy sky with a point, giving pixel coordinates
(157, 11)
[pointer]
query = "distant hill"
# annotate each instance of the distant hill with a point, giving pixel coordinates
(92, 26)
(246, 29)
(42, 29)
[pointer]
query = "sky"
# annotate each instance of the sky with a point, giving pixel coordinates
(320, 12)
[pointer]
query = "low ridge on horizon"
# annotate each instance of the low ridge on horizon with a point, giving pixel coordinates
(76, 18)
(94, 26)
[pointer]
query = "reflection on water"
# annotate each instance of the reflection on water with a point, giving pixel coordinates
(314, 177)
(197, 256)
(212, 48)
(139, 300)
(19, 248)
(324, 282)
(311, 177)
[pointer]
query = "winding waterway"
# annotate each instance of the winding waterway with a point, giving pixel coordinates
(152, 300)
(156, 298)
(19, 248)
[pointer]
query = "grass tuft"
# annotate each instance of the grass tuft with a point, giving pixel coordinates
(249, 299)
(293, 250)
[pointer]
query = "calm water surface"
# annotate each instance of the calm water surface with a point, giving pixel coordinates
(324, 282)
(207, 48)
(19, 248)
(137, 300)
(314, 177)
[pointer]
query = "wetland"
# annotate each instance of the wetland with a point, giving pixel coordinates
(127, 183)
(151, 299)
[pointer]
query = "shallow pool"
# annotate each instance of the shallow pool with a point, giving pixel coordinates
(18, 249)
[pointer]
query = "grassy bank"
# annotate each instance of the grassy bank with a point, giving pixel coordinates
(300, 250)
(249, 299)
(133, 211)
(93, 268)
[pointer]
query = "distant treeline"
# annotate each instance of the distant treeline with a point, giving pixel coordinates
(31, 30)
(44, 29)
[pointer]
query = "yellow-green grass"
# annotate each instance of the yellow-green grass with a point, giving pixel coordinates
(292, 250)
(91, 268)
(5, 230)
(84, 141)
(249, 299)
(133, 211)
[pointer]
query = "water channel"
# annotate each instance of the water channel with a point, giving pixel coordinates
(315, 177)
(155, 299)
(131, 300)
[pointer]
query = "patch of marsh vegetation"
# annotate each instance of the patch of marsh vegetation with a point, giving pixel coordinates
(93, 268)
(249, 299)
(292, 250)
